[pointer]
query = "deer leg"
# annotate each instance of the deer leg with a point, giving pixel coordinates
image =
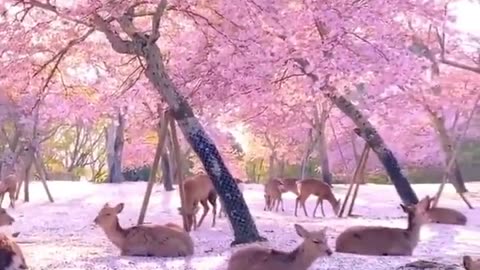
(321, 207)
(316, 206)
(1, 199)
(205, 212)
(297, 201)
(283, 209)
(11, 194)
(304, 207)
(214, 210)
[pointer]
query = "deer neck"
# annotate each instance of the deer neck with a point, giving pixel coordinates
(413, 229)
(300, 258)
(115, 233)
(333, 202)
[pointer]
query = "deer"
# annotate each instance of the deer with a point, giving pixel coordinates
(385, 241)
(9, 184)
(273, 194)
(314, 245)
(317, 188)
(471, 264)
(222, 208)
(290, 185)
(444, 215)
(198, 189)
(11, 256)
(146, 239)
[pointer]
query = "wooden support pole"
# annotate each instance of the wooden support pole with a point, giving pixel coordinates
(453, 158)
(163, 125)
(179, 174)
(43, 177)
(354, 179)
(358, 180)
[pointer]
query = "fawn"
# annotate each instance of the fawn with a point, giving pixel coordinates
(259, 258)
(471, 264)
(445, 215)
(198, 189)
(222, 208)
(273, 194)
(11, 256)
(317, 188)
(144, 240)
(9, 184)
(384, 241)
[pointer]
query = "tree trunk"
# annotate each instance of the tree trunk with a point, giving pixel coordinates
(312, 141)
(456, 176)
(115, 140)
(166, 173)
(271, 165)
(375, 141)
(321, 116)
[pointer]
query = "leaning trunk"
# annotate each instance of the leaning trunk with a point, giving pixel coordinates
(447, 146)
(115, 140)
(312, 141)
(375, 141)
(238, 213)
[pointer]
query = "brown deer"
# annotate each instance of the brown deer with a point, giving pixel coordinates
(445, 215)
(290, 185)
(317, 188)
(198, 189)
(222, 208)
(314, 245)
(11, 256)
(9, 184)
(273, 194)
(384, 241)
(144, 240)
(471, 264)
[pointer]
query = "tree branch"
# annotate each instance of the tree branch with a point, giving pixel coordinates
(155, 35)
(118, 44)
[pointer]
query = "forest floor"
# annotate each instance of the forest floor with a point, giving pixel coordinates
(61, 235)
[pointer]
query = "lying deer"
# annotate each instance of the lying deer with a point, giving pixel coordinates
(445, 215)
(317, 188)
(384, 241)
(273, 194)
(198, 189)
(11, 256)
(471, 264)
(222, 208)
(9, 184)
(144, 240)
(259, 258)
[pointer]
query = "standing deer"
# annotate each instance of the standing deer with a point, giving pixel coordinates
(144, 240)
(198, 189)
(471, 264)
(11, 256)
(317, 188)
(445, 215)
(9, 184)
(273, 194)
(222, 208)
(385, 241)
(290, 185)
(259, 258)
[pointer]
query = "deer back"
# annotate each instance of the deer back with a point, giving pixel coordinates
(446, 216)
(158, 240)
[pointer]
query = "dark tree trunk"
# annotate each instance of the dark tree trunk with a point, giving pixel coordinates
(447, 146)
(375, 141)
(115, 136)
(166, 173)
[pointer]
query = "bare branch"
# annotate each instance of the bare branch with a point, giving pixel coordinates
(156, 21)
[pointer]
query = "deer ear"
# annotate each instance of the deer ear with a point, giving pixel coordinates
(119, 207)
(301, 231)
